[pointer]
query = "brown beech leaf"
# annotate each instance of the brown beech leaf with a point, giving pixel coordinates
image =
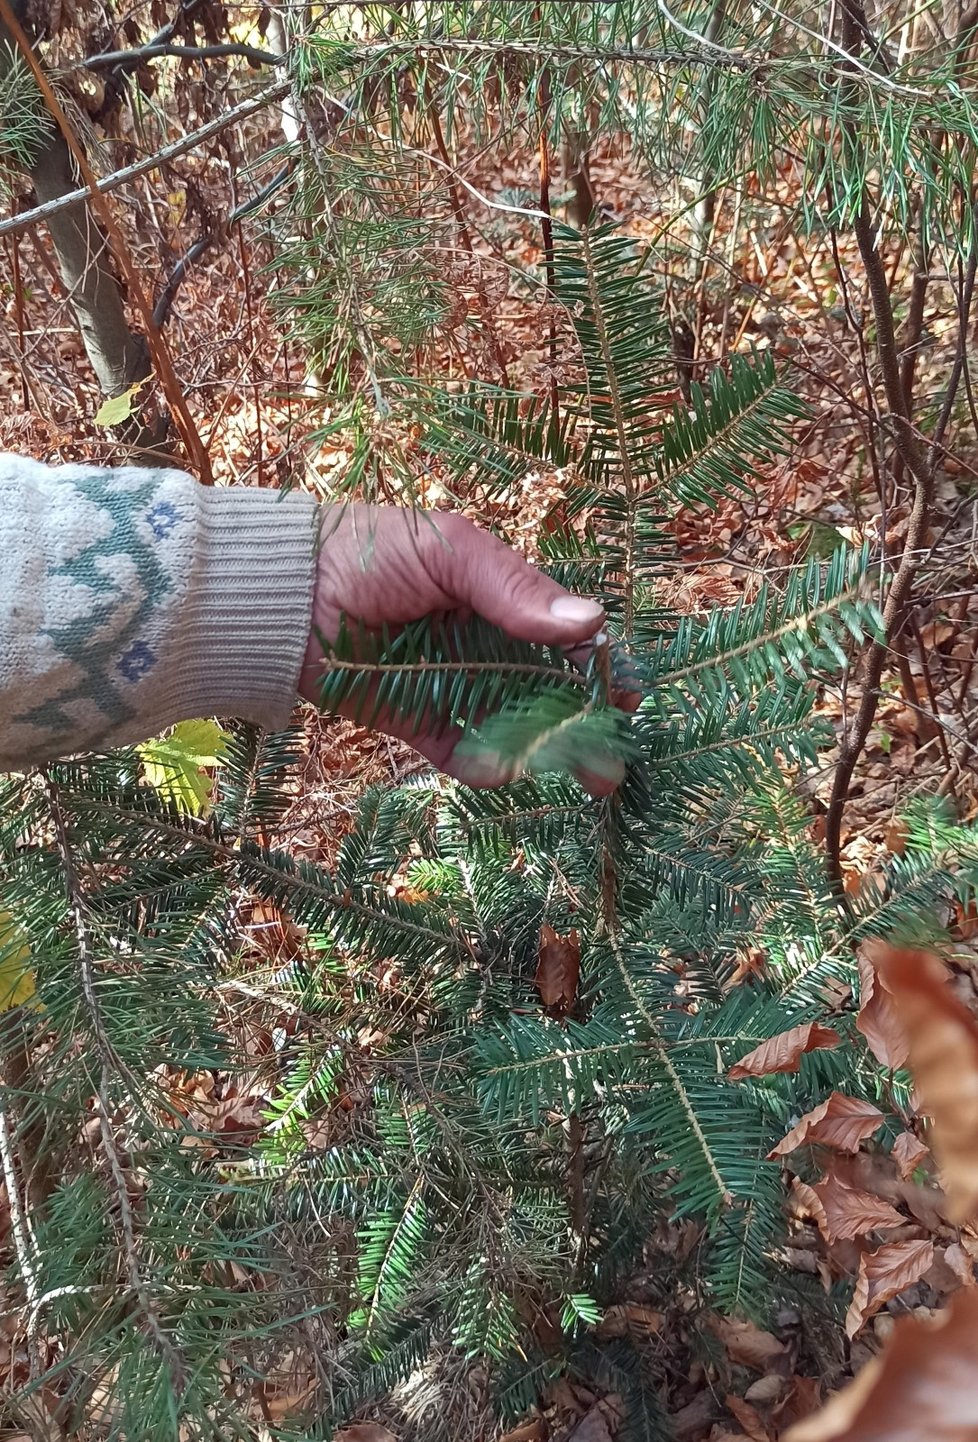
(960, 1264)
(535, 1431)
(592, 1428)
(748, 1346)
(908, 1153)
(630, 1318)
(748, 1417)
(943, 1038)
(923, 1386)
(767, 1390)
(783, 1053)
(558, 968)
(883, 1274)
(808, 1203)
(841, 1122)
(804, 1398)
(877, 1020)
(846, 1211)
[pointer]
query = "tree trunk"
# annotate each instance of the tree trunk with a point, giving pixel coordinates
(118, 357)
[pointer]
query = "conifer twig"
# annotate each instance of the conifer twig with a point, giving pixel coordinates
(25, 1247)
(109, 1061)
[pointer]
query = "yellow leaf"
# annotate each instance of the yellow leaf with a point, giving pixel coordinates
(116, 409)
(16, 971)
(176, 764)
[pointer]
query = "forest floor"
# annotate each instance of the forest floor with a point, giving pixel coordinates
(246, 387)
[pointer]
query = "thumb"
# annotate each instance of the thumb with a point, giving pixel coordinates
(490, 578)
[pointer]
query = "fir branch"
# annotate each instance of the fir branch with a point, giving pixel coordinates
(109, 1061)
(723, 1194)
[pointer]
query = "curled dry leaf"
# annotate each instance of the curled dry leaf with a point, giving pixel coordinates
(841, 1122)
(943, 1037)
(783, 1053)
(877, 1020)
(842, 1211)
(749, 1418)
(960, 1264)
(908, 1153)
(630, 1319)
(923, 1387)
(558, 968)
(850, 1212)
(535, 1431)
(749, 1346)
(883, 1274)
(767, 1390)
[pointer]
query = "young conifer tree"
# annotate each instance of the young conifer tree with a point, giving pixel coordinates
(511, 1026)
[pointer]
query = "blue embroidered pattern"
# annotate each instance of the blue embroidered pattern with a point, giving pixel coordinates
(111, 658)
(135, 662)
(162, 519)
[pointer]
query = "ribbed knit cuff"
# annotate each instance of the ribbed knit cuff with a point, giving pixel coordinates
(246, 616)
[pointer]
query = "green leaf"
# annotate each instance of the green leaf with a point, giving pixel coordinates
(177, 764)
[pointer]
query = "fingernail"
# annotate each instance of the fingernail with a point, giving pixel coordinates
(576, 610)
(600, 638)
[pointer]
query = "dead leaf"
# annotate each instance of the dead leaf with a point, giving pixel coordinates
(697, 1415)
(923, 1387)
(883, 1274)
(805, 1396)
(877, 1020)
(749, 1346)
(783, 1053)
(534, 1431)
(908, 1153)
(841, 1121)
(943, 1038)
(748, 1417)
(751, 962)
(629, 1318)
(592, 1428)
(558, 968)
(960, 1264)
(767, 1389)
(844, 1211)
(365, 1432)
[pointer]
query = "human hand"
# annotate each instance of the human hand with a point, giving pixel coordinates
(387, 566)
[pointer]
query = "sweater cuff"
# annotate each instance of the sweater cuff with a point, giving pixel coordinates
(248, 610)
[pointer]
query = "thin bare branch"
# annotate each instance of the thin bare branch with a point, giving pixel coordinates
(129, 59)
(29, 218)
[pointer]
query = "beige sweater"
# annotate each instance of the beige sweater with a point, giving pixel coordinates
(131, 599)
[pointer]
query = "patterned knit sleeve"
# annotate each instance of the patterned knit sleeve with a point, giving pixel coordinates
(132, 598)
